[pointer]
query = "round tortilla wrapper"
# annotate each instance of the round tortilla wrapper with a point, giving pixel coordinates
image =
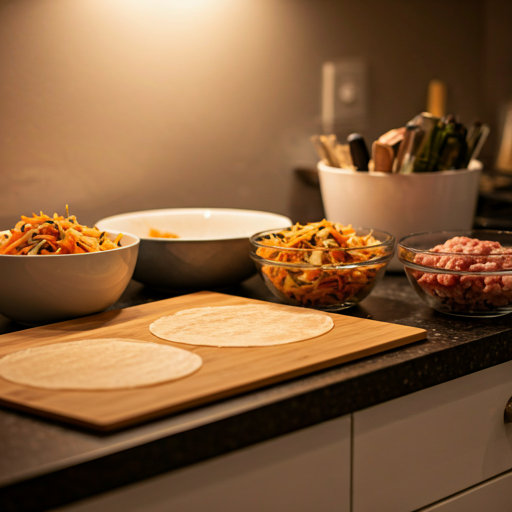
(98, 364)
(247, 325)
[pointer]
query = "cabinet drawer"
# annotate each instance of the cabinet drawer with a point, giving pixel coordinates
(300, 472)
(423, 447)
(493, 495)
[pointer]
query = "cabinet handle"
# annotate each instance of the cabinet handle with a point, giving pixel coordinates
(508, 411)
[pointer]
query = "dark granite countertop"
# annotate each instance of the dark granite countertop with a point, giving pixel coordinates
(44, 464)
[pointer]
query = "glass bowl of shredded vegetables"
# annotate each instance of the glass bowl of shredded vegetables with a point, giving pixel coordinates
(54, 268)
(323, 265)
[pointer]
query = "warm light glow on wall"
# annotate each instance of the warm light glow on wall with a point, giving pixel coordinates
(165, 8)
(179, 5)
(192, 21)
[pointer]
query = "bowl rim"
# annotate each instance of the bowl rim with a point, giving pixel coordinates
(321, 166)
(460, 232)
(453, 233)
(194, 211)
(390, 241)
(112, 234)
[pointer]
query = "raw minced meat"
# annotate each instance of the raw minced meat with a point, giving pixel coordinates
(467, 292)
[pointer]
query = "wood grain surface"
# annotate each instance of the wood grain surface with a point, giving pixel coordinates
(225, 371)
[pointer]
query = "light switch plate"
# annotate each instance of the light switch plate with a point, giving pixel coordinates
(344, 94)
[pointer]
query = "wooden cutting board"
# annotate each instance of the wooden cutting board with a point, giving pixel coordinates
(225, 371)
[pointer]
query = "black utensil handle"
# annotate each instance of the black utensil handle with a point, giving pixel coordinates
(358, 151)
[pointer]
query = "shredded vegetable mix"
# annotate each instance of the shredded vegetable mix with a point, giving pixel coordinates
(156, 233)
(311, 260)
(41, 234)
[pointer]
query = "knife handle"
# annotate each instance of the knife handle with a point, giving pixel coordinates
(383, 156)
(358, 151)
(405, 147)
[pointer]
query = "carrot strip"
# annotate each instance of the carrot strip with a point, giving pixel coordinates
(10, 249)
(41, 234)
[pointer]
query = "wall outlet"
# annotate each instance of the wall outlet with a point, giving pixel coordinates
(344, 94)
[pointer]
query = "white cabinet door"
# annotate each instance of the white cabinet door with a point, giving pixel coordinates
(421, 448)
(495, 495)
(304, 471)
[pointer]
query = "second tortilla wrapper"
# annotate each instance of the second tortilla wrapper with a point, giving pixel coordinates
(249, 325)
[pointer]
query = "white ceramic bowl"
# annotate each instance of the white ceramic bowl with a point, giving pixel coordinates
(42, 289)
(401, 204)
(212, 251)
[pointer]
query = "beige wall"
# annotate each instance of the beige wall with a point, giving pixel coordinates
(497, 69)
(117, 105)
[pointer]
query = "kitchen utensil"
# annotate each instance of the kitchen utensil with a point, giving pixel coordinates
(358, 151)
(404, 147)
(393, 137)
(383, 156)
(320, 151)
(344, 157)
(477, 140)
(436, 98)
(452, 146)
(329, 144)
(417, 136)
(429, 124)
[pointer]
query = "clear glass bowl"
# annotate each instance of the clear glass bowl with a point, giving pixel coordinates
(299, 278)
(465, 279)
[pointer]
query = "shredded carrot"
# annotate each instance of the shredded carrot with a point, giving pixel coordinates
(41, 234)
(156, 233)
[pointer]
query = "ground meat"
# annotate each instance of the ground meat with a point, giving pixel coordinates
(466, 292)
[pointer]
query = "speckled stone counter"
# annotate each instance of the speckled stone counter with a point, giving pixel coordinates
(45, 464)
